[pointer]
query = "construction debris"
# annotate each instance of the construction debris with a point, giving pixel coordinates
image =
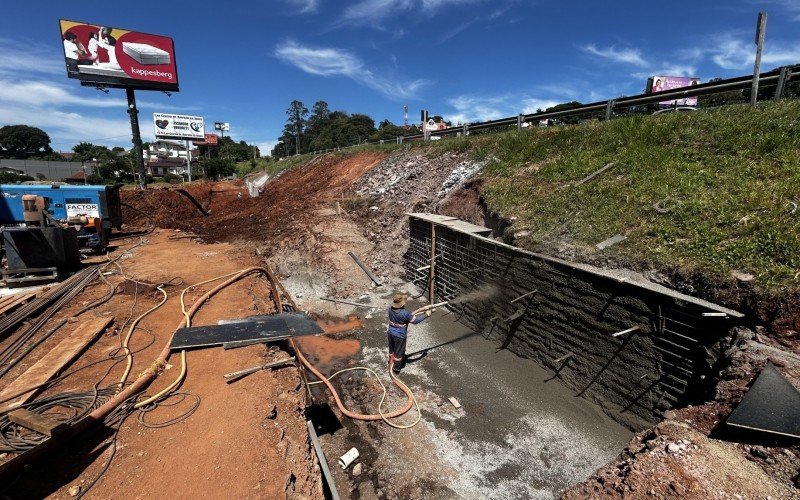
(267, 328)
(772, 405)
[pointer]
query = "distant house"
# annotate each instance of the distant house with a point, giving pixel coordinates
(78, 177)
(167, 157)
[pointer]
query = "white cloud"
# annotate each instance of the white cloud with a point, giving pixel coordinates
(20, 58)
(264, 147)
(372, 11)
(626, 56)
(728, 52)
(304, 6)
(471, 108)
(68, 128)
(41, 93)
(329, 62)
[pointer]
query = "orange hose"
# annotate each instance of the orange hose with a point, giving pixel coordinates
(337, 399)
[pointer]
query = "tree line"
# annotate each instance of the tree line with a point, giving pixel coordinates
(116, 164)
(322, 128)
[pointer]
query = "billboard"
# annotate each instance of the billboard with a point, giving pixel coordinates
(113, 57)
(210, 140)
(169, 126)
(664, 83)
(222, 126)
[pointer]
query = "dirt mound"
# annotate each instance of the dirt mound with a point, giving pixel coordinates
(408, 181)
(287, 205)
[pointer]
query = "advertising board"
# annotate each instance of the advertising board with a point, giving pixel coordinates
(170, 126)
(113, 57)
(664, 83)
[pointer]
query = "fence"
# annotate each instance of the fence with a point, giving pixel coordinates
(608, 108)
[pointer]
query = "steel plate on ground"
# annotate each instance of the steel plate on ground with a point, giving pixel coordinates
(275, 326)
(771, 405)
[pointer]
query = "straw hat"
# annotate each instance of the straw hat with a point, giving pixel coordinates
(399, 300)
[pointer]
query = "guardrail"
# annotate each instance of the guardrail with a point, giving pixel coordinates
(780, 77)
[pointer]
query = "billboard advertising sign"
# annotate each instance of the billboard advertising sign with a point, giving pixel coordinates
(222, 126)
(210, 140)
(169, 126)
(664, 83)
(113, 57)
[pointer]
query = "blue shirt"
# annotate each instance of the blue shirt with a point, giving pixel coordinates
(399, 319)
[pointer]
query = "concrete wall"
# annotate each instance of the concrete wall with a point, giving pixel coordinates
(51, 170)
(577, 309)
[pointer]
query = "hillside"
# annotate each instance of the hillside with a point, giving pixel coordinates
(711, 191)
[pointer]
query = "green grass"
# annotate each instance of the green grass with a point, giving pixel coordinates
(728, 177)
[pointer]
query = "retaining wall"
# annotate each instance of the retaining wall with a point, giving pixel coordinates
(569, 324)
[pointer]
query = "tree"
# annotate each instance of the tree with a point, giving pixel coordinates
(22, 141)
(296, 123)
(219, 167)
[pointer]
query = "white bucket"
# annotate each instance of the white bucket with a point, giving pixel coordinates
(348, 458)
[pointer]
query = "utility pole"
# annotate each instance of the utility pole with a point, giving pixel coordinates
(761, 28)
(137, 137)
(189, 159)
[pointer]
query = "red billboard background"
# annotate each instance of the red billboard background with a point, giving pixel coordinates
(156, 68)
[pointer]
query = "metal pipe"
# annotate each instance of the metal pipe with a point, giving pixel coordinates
(523, 296)
(365, 269)
(623, 332)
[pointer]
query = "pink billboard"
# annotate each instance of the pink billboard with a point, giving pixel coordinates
(113, 57)
(664, 83)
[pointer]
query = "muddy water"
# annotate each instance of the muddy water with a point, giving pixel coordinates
(519, 434)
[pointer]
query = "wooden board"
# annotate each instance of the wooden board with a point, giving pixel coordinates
(13, 301)
(43, 424)
(54, 361)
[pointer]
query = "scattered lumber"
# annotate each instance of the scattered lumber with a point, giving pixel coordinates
(54, 361)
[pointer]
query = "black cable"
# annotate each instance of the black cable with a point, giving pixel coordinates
(180, 418)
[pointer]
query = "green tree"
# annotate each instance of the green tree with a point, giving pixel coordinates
(296, 122)
(219, 167)
(22, 141)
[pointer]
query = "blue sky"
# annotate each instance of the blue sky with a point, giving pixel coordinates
(244, 61)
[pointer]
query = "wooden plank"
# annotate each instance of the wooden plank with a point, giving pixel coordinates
(7, 299)
(12, 304)
(43, 424)
(54, 361)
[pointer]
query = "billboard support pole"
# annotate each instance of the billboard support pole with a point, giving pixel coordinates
(137, 137)
(761, 29)
(189, 160)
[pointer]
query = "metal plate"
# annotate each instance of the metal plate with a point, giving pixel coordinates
(258, 327)
(771, 405)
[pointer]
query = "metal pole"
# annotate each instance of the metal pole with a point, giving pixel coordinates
(432, 276)
(761, 28)
(519, 121)
(189, 160)
(785, 75)
(609, 108)
(137, 137)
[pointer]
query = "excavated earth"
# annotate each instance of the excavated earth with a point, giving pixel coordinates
(309, 218)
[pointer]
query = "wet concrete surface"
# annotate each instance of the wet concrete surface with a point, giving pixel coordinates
(519, 433)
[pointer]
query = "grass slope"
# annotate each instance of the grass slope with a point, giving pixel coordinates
(727, 176)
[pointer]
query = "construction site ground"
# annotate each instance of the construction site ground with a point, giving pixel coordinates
(245, 440)
(517, 433)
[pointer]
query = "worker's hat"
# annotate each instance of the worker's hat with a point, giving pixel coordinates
(399, 300)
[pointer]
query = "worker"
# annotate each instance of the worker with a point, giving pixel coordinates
(399, 319)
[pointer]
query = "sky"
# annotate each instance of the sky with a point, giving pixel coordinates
(243, 62)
